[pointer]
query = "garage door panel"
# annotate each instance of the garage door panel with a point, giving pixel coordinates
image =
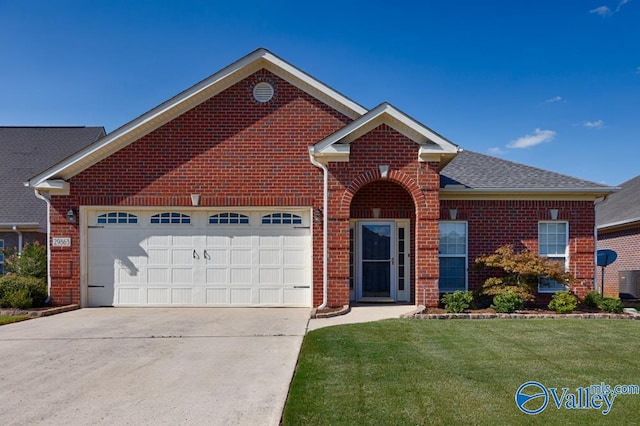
(240, 296)
(244, 264)
(217, 296)
(128, 296)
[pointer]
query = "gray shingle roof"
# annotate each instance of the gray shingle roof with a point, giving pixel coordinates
(25, 151)
(623, 206)
(479, 171)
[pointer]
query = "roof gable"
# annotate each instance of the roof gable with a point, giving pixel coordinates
(433, 147)
(188, 99)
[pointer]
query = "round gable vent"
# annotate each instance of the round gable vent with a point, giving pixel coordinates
(263, 92)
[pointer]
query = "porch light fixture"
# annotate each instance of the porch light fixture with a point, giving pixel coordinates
(195, 200)
(554, 214)
(453, 214)
(376, 212)
(71, 216)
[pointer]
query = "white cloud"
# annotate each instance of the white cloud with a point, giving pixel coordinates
(496, 151)
(539, 136)
(594, 124)
(602, 11)
(553, 100)
(605, 11)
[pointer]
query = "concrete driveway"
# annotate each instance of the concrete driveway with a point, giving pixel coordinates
(150, 366)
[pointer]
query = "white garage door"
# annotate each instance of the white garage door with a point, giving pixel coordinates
(186, 258)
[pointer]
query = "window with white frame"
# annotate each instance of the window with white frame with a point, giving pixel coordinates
(453, 256)
(1, 257)
(117, 218)
(229, 219)
(170, 218)
(281, 219)
(553, 243)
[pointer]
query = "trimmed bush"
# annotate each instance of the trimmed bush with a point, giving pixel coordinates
(457, 301)
(611, 304)
(22, 292)
(563, 302)
(592, 299)
(507, 302)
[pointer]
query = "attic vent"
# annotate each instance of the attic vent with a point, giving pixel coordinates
(263, 92)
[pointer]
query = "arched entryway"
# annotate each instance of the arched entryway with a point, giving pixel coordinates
(381, 236)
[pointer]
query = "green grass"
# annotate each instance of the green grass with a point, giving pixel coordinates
(7, 319)
(418, 372)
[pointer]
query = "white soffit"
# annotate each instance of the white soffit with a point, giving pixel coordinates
(189, 99)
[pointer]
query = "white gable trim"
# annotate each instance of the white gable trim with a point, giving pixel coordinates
(433, 147)
(189, 99)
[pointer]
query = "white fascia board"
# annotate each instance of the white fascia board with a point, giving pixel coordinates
(338, 153)
(190, 98)
(54, 187)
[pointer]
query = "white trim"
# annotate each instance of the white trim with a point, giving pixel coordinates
(192, 97)
(433, 147)
(54, 187)
(618, 223)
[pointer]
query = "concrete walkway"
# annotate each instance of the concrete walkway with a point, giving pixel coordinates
(360, 314)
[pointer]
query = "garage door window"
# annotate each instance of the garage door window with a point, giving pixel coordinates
(229, 219)
(281, 219)
(170, 218)
(117, 218)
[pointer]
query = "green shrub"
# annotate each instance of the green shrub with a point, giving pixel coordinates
(22, 292)
(611, 304)
(592, 299)
(507, 302)
(32, 262)
(457, 301)
(563, 302)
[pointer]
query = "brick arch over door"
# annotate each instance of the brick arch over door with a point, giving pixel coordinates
(424, 231)
(395, 176)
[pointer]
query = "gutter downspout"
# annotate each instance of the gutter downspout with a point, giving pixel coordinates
(15, 229)
(47, 200)
(325, 227)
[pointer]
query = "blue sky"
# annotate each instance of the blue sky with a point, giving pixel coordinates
(552, 84)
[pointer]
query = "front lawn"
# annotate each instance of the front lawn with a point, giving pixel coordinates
(408, 372)
(6, 319)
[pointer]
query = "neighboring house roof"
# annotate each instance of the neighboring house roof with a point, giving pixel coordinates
(473, 172)
(621, 208)
(25, 151)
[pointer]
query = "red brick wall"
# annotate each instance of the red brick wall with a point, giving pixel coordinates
(230, 149)
(492, 224)
(626, 243)
(384, 146)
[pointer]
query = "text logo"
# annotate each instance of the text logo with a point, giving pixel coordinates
(532, 398)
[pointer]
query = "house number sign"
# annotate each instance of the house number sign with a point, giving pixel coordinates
(61, 242)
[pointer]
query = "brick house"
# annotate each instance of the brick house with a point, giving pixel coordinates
(25, 151)
(261, 186)
(618, 220)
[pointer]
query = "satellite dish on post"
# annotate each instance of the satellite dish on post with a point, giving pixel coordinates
(605, 258)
